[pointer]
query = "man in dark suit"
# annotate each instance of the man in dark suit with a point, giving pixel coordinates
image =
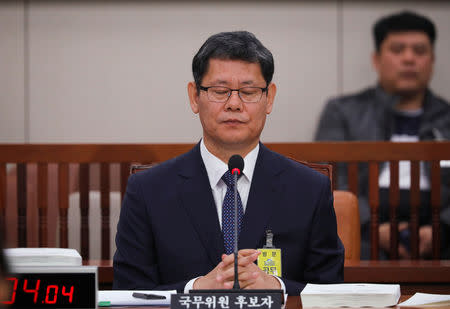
(173, 227)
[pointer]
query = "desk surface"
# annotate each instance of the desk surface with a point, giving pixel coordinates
(413, 276)
(373, 271)
(293, 302)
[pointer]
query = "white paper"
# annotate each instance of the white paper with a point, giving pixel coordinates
(427, 299)
(350, 288)
(350, 295)
(125, 297)
(43, 257)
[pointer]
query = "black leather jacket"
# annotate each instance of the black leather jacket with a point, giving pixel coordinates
(368, 116)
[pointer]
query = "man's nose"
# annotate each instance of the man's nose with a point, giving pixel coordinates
(409, 55)
(234, 101)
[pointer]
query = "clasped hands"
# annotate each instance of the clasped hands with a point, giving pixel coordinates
(250, 275)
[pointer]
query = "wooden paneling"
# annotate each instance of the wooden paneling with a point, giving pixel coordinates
(414, 209)
(43, 204)
(374, 202)
(394, 199)
(84, 208)
(352, 172)
(104, 206)
(63, 199)
(398, 271)
(22, 204)
(427, 276)
(352, 153)
(2, 199)
(312, 152)
(436, 206)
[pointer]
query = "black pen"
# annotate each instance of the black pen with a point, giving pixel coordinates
(148, 296)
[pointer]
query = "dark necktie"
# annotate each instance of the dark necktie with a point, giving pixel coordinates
(228, 213)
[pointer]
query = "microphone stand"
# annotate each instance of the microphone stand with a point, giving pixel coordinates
(236, 280)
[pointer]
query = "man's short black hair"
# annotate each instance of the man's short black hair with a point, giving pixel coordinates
(236, 45)
(402, 22)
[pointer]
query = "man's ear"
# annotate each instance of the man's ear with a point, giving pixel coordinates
(271, 92)
(433, 60)
(193, 96)
(376, 60)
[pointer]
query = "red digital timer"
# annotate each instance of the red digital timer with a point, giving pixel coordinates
(52, 287)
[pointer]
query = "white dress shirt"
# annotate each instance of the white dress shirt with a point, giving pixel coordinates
(215, 168)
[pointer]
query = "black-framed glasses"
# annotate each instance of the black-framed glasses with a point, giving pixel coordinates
(221, 94)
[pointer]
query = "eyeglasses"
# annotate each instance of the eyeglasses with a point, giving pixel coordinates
(221, 94)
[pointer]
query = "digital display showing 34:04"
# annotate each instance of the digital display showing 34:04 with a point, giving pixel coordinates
(51, 290)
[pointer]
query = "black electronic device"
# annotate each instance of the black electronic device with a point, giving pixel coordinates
(52, 287)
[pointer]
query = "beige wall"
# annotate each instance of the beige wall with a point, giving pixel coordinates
(12, 95)
(113, 71)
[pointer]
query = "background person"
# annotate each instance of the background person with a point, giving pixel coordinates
(400, 108)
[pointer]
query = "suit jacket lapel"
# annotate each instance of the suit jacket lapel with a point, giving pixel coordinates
(262, 201)
(197, 200)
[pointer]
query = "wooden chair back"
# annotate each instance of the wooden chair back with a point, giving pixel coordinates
(347, 214)
(347, 217)
(137, 167)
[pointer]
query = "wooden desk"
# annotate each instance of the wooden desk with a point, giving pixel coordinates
(413, 276)
(293, 302)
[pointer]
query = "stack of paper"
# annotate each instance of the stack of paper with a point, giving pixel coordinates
(42, 257)
(350, 295)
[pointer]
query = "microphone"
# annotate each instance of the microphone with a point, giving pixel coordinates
(235, 166)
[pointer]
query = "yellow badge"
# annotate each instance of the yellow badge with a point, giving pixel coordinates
(270, 261)
(270, 258)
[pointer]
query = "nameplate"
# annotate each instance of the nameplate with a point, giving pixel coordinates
(233, 300)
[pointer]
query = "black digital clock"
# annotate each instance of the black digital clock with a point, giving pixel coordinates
(52, 287)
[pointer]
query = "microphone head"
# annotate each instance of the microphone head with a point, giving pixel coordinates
(236, 162)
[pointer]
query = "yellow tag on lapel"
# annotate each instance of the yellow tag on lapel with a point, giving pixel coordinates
(270, 258)
(270, 261)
